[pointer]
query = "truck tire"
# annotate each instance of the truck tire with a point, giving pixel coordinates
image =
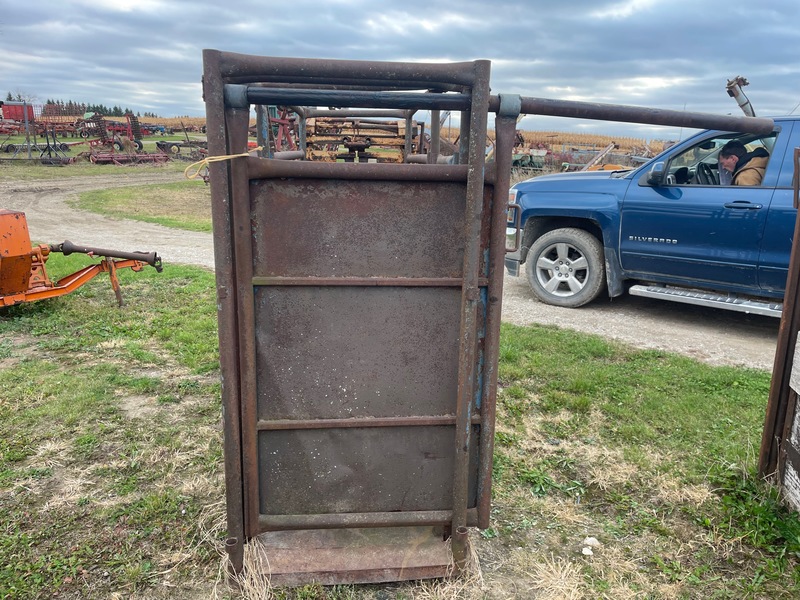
(565, 267)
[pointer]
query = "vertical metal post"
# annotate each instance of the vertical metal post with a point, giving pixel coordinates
(262, 138)
(237, 120)
(409, 136)
(436, 132)
(782, 398)
(505, 129)
(27, 127)
(469, 307)
(226, 306)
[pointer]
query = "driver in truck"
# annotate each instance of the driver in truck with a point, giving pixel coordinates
(743, 167)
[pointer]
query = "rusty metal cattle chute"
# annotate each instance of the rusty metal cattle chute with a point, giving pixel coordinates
(359, 309)
(359, 321)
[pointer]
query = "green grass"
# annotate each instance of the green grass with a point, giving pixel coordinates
(17, 172)
(182, 205)
(111, 460)
(657, 451)
(111, 451)
(87, 448)
(647, 397)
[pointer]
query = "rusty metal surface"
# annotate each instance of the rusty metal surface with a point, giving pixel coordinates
(359, 317)
(218, 144)
(373, 556)
(340, 228)
(469, 372)
(505, 128)
(370, 519)
(639, 114)
(346, 352)
(245, 67)
(348, 471)
(354, 302)
(265, 168)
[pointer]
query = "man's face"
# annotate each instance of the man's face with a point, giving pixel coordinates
(728, 162)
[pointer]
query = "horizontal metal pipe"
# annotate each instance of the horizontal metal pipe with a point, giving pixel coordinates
(312, 83)
(366, 281)
(355, 98)
(289, 155)
(369, 125)
(235, 65)
(638, 114)
(538, 106)
(358, 423)
(375, 519)
(66, 247)
(345, 113)
(259, 168)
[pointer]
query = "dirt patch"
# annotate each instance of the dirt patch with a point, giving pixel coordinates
(14, 348)
(138, 406)
(52, 220)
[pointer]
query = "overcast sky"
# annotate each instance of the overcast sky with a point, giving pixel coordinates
(675, 54)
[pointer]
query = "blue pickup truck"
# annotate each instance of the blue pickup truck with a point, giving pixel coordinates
(669, 229)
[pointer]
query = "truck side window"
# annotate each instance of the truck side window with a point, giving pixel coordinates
(699, 164)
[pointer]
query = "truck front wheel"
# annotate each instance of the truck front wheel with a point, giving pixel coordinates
(565, 267)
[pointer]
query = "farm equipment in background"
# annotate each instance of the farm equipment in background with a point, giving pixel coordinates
(197, 149)
(734, 89)
(131, 129)
(356, 140)
(108, 148)
(23, 277)
(276, 129)
(596, 164)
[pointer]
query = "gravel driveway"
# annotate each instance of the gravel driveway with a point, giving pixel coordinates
(711, 335)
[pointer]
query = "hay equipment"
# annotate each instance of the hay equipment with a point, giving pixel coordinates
(23, 277)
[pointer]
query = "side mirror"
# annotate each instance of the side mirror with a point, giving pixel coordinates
(656, 174)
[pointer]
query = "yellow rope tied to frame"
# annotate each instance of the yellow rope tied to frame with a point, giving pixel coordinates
(203, 164)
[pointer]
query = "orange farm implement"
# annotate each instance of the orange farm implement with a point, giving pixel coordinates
(23, 277)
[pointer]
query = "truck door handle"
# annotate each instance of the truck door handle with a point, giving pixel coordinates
(743, 205)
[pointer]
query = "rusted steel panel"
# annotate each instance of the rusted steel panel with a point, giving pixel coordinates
(312, 228)
(359, 317)
(362, 422)
(341, 471)
(342, 352)
(218, 145)
(372, 556)
(265, 168)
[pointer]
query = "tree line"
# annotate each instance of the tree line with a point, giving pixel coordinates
(69, 107)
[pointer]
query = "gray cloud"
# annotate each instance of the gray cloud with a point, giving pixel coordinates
(146, 54)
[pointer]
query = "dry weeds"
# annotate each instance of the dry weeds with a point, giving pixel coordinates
(557, 578)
